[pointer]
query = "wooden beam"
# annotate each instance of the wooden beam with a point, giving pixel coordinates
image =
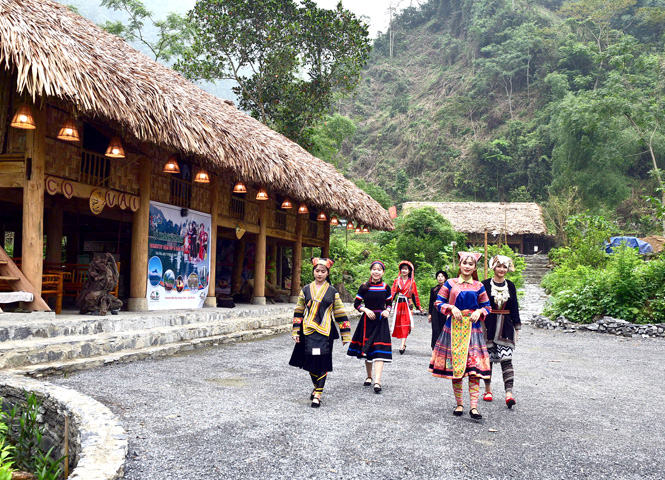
(297, 261)
(138, 281)
(33, 202)
(211, 299)
(259, 294)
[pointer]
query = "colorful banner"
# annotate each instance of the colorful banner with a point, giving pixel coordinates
(179, 257)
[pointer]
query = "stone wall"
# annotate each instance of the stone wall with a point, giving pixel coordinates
(609, 325)
(97, 442)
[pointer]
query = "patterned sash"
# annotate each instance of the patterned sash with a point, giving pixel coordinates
(460, 338)
(309, 323)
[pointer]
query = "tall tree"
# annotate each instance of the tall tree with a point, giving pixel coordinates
(287, 59)
(173, 33)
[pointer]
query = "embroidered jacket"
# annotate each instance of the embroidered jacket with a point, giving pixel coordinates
(465, 295)
(376, 297)
(408, 289)
(316, 309)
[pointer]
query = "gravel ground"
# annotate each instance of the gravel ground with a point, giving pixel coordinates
(586, 408)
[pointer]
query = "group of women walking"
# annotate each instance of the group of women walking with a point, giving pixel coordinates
(474, 325)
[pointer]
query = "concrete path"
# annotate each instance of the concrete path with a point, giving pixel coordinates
(589, 406)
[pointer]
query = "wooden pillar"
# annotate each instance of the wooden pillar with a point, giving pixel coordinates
(325, 251)
(297, 261)
(54, 223)
(32, 250)
(211, 299)
(138, 281)
(259, 294)
(278, 267)
(238, 264)
(272, 277)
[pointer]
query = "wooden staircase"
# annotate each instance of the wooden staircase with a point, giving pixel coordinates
(17, 287)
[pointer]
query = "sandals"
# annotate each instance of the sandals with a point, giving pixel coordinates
(510, 400)
(367, 382)
(377, 388)
(316, 401)
(459, 410)
(475, 414)
(488, 397)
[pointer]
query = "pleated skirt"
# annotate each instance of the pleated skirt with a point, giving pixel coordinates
(477, 362)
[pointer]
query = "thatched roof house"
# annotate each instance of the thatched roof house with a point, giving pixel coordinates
(55, 53)
(522, 222)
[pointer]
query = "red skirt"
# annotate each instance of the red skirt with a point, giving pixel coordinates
(402, 319)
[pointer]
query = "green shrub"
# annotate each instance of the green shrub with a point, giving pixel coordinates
(23, 432)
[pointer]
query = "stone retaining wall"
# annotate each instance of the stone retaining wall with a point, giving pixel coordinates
(609, 325)
(97, 442)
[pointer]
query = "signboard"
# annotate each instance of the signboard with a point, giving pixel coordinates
(178, 257)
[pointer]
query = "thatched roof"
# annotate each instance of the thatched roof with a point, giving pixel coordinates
(518, 218)
(57, 53)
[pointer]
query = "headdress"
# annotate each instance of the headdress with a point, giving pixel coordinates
(475, 255)
(378, 262)
(326, 262)
(408, 264)
(502, 260)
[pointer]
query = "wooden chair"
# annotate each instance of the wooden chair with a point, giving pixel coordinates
(52, 286)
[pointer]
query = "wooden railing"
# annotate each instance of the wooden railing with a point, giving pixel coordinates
(95, 169)
(280, 220)
(181, 193)
(237, 208)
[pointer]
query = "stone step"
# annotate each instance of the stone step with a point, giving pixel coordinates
(32, 351)
(74, 365)
(24, 327)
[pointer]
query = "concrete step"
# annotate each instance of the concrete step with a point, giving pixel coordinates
(24, 327)
(74, 365)
(32, 351)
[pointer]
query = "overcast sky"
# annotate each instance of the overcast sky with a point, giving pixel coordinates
(376, 11)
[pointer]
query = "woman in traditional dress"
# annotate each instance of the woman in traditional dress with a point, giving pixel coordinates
(313, 329)
(502, 325)
(405, 295)
(434, 317)
(460, 350)
(371, 340)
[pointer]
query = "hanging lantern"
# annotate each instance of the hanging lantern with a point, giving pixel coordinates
(365, 229)
(359, 229)
(239, 187)
(202, 177)
(115, 149)
(286, 204)
(262, 194)
(349, 226)
(334, 221)
(23, 118)
(68, 132)
(322, 217)
(303, 208)
(172, 165)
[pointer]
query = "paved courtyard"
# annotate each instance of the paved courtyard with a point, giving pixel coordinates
(589, 406)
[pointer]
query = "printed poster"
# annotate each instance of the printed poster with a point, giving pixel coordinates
(178, 258)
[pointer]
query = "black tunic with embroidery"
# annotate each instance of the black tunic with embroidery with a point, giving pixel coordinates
(371, 340)
(500, 329)
(313, 323)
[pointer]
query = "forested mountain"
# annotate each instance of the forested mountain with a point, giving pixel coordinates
(518, 100)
